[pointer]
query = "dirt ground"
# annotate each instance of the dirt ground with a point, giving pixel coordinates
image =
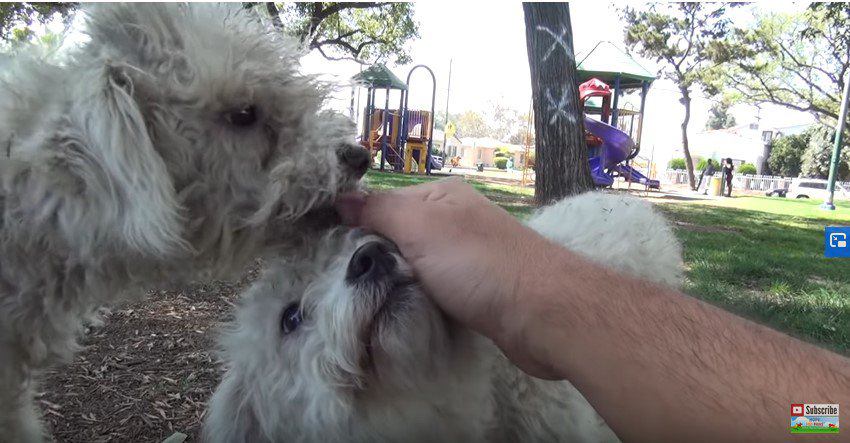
(146, 373)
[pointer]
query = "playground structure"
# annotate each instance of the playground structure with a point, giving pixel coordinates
(614, 140)
(404, 137)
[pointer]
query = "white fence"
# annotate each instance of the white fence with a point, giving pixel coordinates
(739, 181)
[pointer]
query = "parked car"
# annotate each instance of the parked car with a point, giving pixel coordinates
(436, 162)
(814, 188)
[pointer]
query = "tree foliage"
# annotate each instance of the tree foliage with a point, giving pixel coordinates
(675, 35)
(703, 163)
(366, 32)
(17, 19)
(504, 121)
(472, 124)
(676, 163)
(747, 169)
(440, 122)
(818, 154)
(786, 154)
(796, 61)
(719, 117)
(499, 122)
(509, 125)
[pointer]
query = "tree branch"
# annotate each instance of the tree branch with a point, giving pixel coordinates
(331, 58)
(320, 13)
(801, 64)
(693, 9)
(765, 94)
(339, 41)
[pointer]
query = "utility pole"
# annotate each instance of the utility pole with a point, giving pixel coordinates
(446, 123)
(836, 148)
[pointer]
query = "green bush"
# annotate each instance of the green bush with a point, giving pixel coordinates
(676, 163)
(501, 162)
(701, 164)
(503, 152)
(786, 154)
(747, 168)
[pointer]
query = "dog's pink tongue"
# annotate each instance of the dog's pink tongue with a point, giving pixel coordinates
(350, 207)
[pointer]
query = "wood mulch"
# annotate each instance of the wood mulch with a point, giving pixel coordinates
(146, 373)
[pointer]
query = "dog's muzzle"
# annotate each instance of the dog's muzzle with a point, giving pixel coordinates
(355, 159)
(374, 260)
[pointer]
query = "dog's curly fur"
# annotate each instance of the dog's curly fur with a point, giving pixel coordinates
(375, 360)
(177, 143)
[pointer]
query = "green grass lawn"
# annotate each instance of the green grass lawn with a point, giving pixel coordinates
(768, 266)
(756, 256)
(517, 201)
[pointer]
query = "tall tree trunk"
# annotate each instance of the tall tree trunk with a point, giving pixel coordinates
(561, 154)
(271, 8)
(689, 164)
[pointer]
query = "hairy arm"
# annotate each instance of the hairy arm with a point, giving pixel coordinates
(656, 364)
(659, 365)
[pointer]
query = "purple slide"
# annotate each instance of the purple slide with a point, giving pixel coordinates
(615, 148)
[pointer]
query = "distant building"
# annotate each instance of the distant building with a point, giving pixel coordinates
(474, 150)
(451, 143)
(749, 143)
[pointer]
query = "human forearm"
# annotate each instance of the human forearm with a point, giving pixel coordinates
(661, 366)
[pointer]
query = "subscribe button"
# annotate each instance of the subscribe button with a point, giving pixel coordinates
(814, 418)
(836, 242)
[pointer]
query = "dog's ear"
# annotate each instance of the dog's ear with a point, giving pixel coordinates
(142, 34)
(229, 417)
(149, 215)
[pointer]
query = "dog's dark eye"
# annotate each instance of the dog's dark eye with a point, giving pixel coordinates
(243, 117)
(291, 318)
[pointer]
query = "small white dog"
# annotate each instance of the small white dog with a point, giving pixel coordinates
(343, 345)
(178, 142)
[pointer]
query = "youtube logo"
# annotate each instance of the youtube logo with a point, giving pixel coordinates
(796, 410)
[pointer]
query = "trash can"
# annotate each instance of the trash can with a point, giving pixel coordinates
(716, 186)
(480, 167)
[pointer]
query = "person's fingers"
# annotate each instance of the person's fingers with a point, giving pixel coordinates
(393, 212)
(350, 206)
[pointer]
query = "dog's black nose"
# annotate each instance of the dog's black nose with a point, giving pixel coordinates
(371, 261)
(356, 158)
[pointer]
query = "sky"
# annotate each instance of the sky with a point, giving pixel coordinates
(486, 44)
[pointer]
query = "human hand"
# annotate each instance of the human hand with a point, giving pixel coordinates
(468, 253)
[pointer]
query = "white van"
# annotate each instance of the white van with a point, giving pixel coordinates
(814, 188)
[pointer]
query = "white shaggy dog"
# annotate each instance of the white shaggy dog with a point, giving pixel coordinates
(344, 346)
(178, 142)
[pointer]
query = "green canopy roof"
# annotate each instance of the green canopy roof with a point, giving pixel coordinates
(606, 61)
(378, 76)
